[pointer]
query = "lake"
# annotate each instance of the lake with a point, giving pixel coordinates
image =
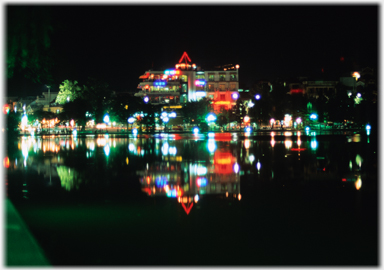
(216, 199)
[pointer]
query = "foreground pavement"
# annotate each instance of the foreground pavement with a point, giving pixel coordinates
(21, 247)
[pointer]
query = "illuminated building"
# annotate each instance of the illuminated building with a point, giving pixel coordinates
(188, 82)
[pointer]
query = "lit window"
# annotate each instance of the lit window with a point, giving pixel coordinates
(233, 77)
(211, 77)
(222, 77)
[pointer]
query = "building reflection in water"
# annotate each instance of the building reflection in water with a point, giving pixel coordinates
(187, 181)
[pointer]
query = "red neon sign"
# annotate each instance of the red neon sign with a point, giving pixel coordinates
(185, 57)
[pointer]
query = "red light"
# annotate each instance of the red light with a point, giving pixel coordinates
(187, 210)
(323, 169)
(344, 179)
(296, 91)
(6, 162)
(342, 59)
(298, 149)
(185, 57)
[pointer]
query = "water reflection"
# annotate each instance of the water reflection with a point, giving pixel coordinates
(185, 168)
(187, 181)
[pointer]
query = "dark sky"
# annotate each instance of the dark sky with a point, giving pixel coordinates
(118, 43)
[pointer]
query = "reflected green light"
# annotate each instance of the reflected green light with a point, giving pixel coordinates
(69, 177)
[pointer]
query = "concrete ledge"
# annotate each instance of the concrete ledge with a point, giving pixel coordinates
(21, 249)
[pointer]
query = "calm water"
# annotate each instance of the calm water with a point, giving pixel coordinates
(213, 199)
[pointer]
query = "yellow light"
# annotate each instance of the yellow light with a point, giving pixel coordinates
(226, 194)
(358, 183)
(273, 142)
(223, 161)
(239, 196)
(237, 66)
(288, 144)
(127, 161)
(247, 143)
(222, 102)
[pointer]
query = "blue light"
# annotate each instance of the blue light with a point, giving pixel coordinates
(134, 131)
(160, 83)
(195, 130)
(146, 99)
(368, 127)
(307, 128)
(211, 117)
(257, 96)
(171, 193)
(74, 132)
(313, 116)
(235, 95)
(165, 119)
(106, 118)
(201, 181)
(248, 129)
(161, 181)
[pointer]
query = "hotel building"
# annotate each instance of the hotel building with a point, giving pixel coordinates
(188, 82)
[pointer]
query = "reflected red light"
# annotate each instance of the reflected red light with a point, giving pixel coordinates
(6, 162)
(187, 209)
(297, 91)
(298, 149)
(224, 162)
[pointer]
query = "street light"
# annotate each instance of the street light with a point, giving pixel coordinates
(211, 117)
(257, 96)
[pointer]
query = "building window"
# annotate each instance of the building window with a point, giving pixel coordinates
(233, 86)
(222, 87)
(211, 87)
(222, 77)
(211, 77)
(222, 97)
(233, 77)
(184, 78)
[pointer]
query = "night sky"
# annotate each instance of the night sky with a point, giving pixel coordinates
(118, 43)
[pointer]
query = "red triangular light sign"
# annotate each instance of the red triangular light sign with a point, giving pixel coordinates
(186, 57)
(187, 210)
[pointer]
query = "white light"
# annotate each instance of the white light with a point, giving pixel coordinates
(172, 115)
(251, 158)
(258, 165)
(250, 104)
(236, 168)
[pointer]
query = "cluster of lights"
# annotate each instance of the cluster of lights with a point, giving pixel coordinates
(171, 72)
(160, 83)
